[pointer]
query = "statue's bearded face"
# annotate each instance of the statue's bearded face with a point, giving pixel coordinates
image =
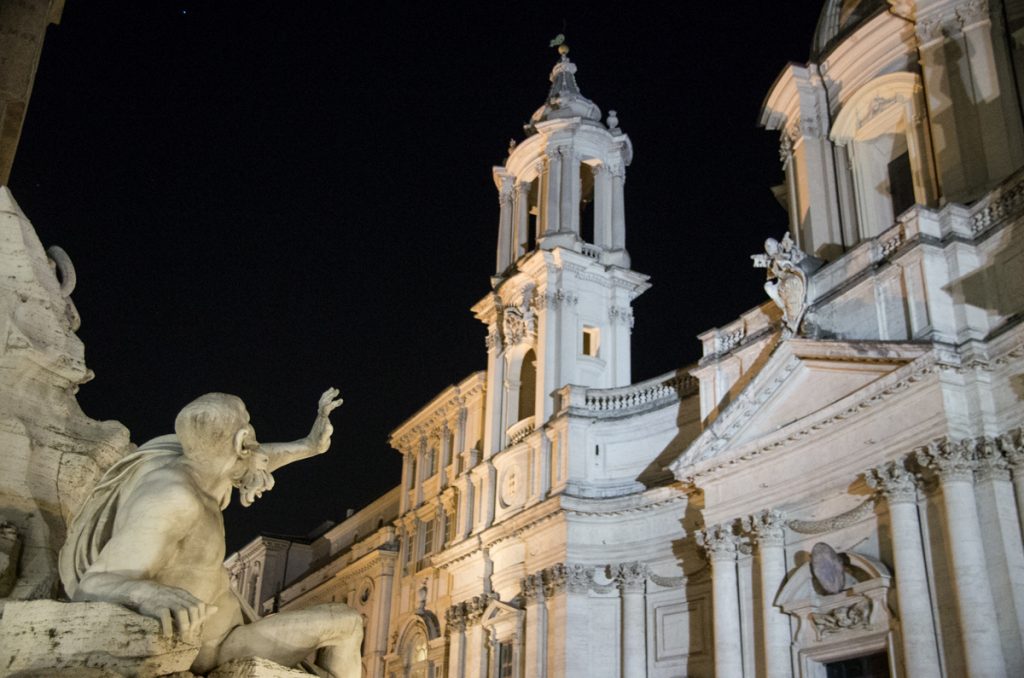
(251, 476)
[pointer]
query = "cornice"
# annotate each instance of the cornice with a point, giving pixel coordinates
(444, 407)
(512, 527)
(649, 500)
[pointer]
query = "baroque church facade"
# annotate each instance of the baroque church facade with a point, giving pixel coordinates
(834, 489)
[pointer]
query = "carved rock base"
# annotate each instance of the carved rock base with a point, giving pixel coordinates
(86, 640)
(254, 667)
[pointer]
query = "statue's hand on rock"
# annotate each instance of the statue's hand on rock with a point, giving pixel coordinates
(320, 436)
(172, 607)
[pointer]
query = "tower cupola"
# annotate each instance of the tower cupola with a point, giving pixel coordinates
(562, 186)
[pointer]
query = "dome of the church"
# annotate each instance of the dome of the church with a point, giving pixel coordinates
(839, 17)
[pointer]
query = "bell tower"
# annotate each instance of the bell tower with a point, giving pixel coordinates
(560, 309)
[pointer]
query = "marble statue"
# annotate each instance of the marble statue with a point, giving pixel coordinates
(151, 538)
(51, 452)
(789, 268)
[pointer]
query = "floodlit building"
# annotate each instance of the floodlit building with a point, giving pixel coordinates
(834, 489)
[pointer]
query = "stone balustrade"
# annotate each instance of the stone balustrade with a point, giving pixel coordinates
(518, 431)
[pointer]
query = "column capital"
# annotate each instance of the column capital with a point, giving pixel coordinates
(972, 12)
(1012, 445)
(719, 542)
(572, 577)
(766, 527)
(929, 30)
(894, 481)
(631, 577)
(553, 579)
(953, 461)
(578, 578)
(992, 463)
(785, 149)
(449, 500)
(455, 617)
(532, 586)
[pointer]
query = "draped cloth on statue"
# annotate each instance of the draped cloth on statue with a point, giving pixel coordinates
(92, 527)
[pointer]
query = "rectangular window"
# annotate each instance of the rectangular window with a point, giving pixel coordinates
(591, 337)
(505, 660)
(428, 537)
(449, 527)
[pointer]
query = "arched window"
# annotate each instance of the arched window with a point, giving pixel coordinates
(414, 655)
(527, 385)
(882, 127)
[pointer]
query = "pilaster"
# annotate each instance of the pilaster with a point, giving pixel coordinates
(536, 626)
(631, 579)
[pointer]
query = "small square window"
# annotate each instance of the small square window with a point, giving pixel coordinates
(591, 341)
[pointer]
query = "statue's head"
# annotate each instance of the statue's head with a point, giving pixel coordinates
(215, 428)
(215, 424)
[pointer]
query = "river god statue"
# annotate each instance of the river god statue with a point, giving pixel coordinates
(151, 538)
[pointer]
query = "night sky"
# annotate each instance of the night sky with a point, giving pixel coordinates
(270, 198)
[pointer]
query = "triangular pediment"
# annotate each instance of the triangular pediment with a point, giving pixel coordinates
(503, 619)
(801, 380)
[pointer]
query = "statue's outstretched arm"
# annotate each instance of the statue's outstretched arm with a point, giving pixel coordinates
(317, 442)
(147, 532)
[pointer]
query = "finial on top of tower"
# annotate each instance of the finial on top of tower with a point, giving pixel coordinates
(559, 42)
(564, 98)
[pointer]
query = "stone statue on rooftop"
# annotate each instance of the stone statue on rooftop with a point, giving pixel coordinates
(789, 269)
(151, 538)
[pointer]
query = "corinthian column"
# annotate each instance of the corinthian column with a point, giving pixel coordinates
(768, 533)
(917, 628)
(632, 580)
(954, 464)
(720, 546)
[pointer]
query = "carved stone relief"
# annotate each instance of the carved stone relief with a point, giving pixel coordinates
(836, 598)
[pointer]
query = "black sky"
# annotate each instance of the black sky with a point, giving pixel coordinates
(269, 198)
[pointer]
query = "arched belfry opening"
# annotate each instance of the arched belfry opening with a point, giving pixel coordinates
(587, 215)
(527, 385)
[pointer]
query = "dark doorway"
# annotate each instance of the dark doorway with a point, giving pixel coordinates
(869, 666)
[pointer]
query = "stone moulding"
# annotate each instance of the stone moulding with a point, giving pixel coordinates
(700, 461)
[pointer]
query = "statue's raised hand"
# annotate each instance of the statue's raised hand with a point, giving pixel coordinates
(320, 436)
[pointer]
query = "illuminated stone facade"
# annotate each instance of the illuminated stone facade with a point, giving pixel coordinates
(837, 482)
